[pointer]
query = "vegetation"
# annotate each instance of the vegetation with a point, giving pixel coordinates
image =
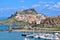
(51, 22)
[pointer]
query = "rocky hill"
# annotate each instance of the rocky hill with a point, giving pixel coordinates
(51, 22)
(32, 18)
(28, 11)
(22, 12)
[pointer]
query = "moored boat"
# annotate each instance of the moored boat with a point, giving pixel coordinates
(50, 36)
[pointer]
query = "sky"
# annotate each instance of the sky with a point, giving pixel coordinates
(46, 7)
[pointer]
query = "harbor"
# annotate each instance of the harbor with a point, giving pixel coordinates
(51, 36)
(30, 34)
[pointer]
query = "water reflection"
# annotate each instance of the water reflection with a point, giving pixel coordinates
(34, 39)
(26, 39)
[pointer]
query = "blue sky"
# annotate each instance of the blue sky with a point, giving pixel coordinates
(47, 7)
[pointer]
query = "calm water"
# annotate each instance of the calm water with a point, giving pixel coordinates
(14, 35)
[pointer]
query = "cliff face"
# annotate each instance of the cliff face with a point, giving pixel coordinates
(51, 22)
(54, 20)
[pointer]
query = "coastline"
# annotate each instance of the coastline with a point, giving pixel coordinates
(25, 30)
(34, 31)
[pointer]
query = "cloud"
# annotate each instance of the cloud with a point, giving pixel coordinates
(7, 8)
(49, 5)
(46, 5)
(2, 10)
(46, 2)
(35, 5)
(56, 6)
(58, 3)
(42, 5)
(22, 1)
(24, 7)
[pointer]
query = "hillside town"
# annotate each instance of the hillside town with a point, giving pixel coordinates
(31, 18)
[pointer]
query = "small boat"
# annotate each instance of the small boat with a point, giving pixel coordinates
(28, 35)
(25, 34)
(36, 36)
(49, 36)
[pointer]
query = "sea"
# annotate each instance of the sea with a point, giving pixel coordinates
(14, 35)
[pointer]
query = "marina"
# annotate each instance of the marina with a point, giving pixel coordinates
(51, 36)
(26, 34)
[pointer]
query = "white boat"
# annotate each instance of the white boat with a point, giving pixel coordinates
(36, 36)
(32, 36)
(49, 36)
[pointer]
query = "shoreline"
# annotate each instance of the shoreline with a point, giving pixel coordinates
(23, 30)
(34, 31)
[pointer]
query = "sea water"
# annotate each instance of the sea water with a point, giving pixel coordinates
(14, 35)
